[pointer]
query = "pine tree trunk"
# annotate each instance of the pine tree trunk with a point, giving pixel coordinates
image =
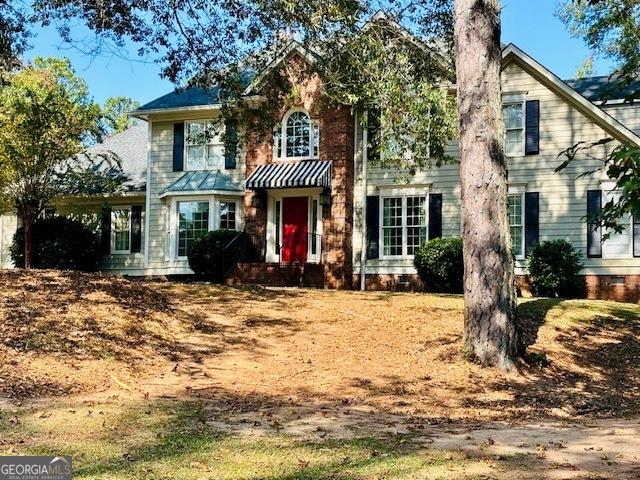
(489, 290)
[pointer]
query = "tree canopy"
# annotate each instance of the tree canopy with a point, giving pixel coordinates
(115, 118)
(46, 119)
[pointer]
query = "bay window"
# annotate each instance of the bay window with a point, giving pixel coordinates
(403, 225)
(193, 223)
(204, 144)
(192, 217)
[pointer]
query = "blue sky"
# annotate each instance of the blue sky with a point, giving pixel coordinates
(529, 24)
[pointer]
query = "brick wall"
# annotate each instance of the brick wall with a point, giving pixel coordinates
(337, 145)
(621, 288)
(337, 134)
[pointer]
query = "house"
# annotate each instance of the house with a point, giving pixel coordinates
(320, 212)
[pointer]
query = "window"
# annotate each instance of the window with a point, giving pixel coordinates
(404, 225)
(301, 137)
(516, 222)
(618, 245)
(121, 230)
(228, 215)
(416, 223)
(513, 114)
(193, 222)
(204, 145)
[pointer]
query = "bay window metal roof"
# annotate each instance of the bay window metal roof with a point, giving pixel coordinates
(204, 181)
(305, 173)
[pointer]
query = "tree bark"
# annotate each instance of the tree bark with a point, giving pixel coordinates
(489, 290)
(28, 242)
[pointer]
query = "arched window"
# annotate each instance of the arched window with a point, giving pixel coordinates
(298, 135)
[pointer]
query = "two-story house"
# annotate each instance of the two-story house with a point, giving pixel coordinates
(321, 212)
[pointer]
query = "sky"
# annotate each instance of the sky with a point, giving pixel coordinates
(530, 24)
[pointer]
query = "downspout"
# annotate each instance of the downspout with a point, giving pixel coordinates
(363, 236)
(147, 213)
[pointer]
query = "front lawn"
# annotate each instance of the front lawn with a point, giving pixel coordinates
(170, 380)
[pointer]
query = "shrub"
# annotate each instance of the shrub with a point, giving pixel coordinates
(58, 243)
(554, 267)
(440, 265)
(208, 258)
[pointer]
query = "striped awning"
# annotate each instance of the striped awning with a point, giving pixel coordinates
(306, 173)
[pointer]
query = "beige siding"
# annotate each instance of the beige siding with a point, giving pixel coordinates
(562, 195)
(8, 226)
(628, 114)
(161, 176)
(122, 263)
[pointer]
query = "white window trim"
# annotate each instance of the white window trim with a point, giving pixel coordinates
(520, 193)
(609, 189)
(206, 145)
(314, 127)
(279, 196)
(214, 218)
(113, 232)
(402, 193)
(516, 100)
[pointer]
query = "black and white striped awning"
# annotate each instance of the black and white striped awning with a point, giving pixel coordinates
(306, 173)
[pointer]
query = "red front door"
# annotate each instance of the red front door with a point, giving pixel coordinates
(295, 221)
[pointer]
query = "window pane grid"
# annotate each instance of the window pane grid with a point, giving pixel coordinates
(392, 226)
(513, 115)
(416, 223)
(121, 225)
(516, 224)
(204, 146)
(193, 223)
(228, 215)
(298, 135)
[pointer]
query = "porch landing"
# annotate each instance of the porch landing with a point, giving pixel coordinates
(278, 275)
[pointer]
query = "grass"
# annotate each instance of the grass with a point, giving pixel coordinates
(169, 440)
(170, 380)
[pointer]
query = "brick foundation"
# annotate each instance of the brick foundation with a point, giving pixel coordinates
(621, 288)
(391, 283)
(273, 274)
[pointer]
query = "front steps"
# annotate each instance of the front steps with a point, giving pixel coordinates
(278, 275)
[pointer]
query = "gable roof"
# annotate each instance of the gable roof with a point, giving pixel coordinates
(553, 82)
(604, 88)
(130, 147)
(188, 98)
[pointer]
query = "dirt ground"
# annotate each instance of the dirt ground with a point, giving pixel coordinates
(334, 362)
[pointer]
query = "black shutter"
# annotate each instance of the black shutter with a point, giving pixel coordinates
(531, 221)
(373, 227)
(636, 235)
(373, 129)
(594, 232)
(435, 215)
(178, 147)
(105, 230)
(230, 144)
(136, 229)
(532, 127)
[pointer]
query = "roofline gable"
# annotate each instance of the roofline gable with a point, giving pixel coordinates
(512, 53)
